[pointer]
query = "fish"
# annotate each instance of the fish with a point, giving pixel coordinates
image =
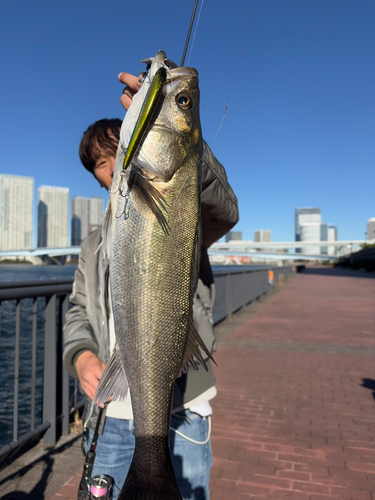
(152, 238)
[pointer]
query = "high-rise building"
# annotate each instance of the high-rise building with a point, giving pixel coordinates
(307, 228)
(53, 206)
(324, 237)
(16, 212)
(96, 213)
(262, 235)
(310, 231)
(332, 236)
(80, 219)
(371, 229)
(233, 236)
(87, 215)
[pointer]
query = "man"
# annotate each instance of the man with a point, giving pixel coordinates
(89, 332)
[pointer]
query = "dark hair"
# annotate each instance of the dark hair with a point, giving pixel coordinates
(103, 134)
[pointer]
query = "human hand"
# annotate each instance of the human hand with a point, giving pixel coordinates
(89, 369)
(132, 86)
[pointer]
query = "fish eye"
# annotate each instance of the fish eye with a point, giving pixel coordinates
(184, 101)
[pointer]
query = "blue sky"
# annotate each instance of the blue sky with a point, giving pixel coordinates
(300, 127)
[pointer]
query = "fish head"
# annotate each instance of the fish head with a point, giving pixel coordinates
(174, 131)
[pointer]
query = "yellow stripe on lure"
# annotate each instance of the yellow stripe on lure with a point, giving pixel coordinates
(151, 101)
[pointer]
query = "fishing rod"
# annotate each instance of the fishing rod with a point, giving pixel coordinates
(89, 487)
(189, 33)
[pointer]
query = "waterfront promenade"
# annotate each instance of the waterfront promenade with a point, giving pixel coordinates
(295, 411)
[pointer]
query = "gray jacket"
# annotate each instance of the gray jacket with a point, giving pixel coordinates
(86, 325)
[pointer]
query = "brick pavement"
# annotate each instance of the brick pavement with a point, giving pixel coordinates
(294, 415)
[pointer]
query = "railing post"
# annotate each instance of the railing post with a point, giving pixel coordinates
(33, 363)
(228, 296)
(16, 370)
(49, 385)
(65, 374)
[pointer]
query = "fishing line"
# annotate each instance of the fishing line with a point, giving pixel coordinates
(195, 32)
(189, 33)
(235, 74)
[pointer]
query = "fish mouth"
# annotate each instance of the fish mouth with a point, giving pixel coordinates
(162, 128)
(177, 75)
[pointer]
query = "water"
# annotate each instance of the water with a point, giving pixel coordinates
(7, 348)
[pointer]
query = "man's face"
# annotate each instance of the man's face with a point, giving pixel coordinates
(104, 168)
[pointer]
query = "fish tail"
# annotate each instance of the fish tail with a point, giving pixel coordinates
(143, 487)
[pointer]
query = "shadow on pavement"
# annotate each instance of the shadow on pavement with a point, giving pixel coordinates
(38, 491)
(347, 273)
(46, 461)
(369, 383)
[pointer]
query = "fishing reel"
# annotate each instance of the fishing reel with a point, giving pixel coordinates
(98, 488)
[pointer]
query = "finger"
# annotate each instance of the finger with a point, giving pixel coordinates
(88, 390)
(131, 80)
(90, 379)
(129, 92)
(125, 101)
(97, 370)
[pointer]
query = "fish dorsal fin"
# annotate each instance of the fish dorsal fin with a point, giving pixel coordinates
(195, 346)
(150, 197)
(113, 381)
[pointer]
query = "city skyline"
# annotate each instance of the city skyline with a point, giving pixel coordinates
(31, 223)
(97, 204)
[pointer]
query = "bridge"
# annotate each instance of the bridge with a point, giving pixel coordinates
(232, 248)
(286, 250)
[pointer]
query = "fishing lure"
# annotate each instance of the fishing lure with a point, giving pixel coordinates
(149, 105)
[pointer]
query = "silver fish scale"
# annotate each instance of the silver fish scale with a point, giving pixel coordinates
(152, 283)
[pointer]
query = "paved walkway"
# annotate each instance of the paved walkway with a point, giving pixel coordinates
(295, 411)
(294, 415)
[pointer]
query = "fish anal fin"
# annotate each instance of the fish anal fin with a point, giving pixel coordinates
(113, 381)
(143, 191)
(196, 350)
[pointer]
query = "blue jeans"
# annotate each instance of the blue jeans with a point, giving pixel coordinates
(191, 462)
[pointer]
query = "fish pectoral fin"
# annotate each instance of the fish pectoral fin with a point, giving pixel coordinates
(150, 197)
(196, 350)
(113, 381)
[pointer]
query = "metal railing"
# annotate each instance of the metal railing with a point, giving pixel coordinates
(235, 288)
(238, 286)
(55, 399)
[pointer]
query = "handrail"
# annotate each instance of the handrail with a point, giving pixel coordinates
(28, 289)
